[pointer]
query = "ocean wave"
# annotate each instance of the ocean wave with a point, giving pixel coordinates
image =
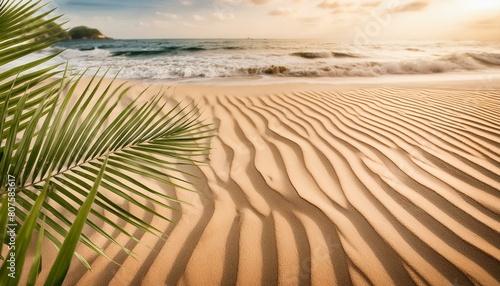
(362, 69)
(182, 60)
(196, 69)
(193, 49)
(323, 55)
(491, 59)
(87, 48)
(77, 54)
(312, 55)
(268, 70)
(156, 52)
(138, 53)
(344, 55)
(233, 48)
(368, 68)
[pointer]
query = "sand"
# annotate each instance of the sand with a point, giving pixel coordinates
(329, 185)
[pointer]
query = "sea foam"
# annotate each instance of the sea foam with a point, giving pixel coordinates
(178, 59)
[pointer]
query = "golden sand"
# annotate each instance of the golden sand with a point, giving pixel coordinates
(329, 185)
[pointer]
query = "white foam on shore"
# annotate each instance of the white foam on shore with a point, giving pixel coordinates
(221, 59)
(480, 79)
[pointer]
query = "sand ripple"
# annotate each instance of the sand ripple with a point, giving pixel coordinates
(368, 187)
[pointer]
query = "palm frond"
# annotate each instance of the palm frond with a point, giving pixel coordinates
(139, 140)
(21, 24)
(63, 260)
(36, 266)
(22, 241)
(64, 131)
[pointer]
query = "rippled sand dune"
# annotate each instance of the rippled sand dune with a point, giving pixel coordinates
(331, 186)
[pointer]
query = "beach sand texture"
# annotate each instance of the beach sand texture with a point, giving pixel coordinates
(329, 185)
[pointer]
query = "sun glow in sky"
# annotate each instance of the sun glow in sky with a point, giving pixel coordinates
(483, 5)
(344, 20)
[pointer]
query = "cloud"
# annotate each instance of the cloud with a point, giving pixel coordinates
(371, 4)
(337, 6)
(490, 23)
(485, 28)
(232, 3)
(260, 2)
(143, 24)
(188, 24)
(199, 18)
(329, 5)
(221, 16)
(411, 6)
(280, 11)
(358, 7)
(168, 16)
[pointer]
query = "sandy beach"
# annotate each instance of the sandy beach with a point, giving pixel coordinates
(327, 185)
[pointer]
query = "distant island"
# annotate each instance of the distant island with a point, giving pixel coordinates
(85, 33)
(76, 33)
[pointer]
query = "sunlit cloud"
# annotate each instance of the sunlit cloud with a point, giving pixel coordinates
(199, 18)
(223, 16)
(410, 6)
(143, 24)
(168, 15)
(260, 2)
(371, 4)
(318, 18)
(483, 28)
(490, 23)
(280, 11)
(329, 5)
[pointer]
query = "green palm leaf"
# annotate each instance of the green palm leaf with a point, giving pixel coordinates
(59, 130)
(36, 266)
(63, 259)
(23, 239)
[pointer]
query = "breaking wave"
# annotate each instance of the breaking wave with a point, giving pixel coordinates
(197, 59)
(323, 55)
(156, 52)
(491, 59)
(353, 69)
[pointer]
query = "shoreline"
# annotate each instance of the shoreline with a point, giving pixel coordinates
(470, 77)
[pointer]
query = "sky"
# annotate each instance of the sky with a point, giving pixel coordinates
(343, 20)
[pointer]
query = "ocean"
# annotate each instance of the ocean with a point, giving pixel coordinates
(178, 59)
